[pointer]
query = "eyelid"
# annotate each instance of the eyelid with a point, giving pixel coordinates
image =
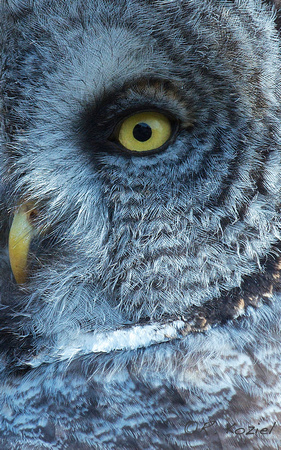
(148, 108)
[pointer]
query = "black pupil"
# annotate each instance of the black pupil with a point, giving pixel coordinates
(142, 132)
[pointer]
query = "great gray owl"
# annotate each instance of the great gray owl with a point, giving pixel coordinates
(140, 224)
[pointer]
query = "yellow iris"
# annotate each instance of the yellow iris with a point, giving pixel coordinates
(144, 131)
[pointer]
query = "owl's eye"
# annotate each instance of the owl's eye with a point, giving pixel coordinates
(144, 132)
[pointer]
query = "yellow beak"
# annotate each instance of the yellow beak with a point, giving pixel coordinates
(21, 233)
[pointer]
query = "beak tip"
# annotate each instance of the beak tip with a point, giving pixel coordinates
(20, 236)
